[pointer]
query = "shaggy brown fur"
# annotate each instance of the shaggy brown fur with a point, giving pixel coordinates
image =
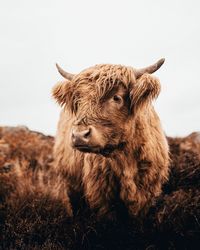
(125, 155)
(32, 217)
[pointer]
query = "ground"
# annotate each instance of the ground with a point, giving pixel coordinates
(32, 217)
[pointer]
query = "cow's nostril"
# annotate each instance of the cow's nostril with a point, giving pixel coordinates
(87, 133)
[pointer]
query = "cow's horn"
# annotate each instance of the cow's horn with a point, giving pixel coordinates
(150, 69)
(63, 73)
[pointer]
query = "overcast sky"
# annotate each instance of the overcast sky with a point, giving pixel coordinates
(78, 34)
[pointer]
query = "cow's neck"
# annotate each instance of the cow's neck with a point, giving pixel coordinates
(116, 161)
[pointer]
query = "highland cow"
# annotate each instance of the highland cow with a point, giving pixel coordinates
(109, 142)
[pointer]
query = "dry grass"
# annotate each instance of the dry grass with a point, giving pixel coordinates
(33, 217)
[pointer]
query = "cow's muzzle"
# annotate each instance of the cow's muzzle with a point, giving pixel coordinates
(81, 138)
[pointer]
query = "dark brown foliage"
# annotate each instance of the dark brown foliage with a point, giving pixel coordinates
(33, 219)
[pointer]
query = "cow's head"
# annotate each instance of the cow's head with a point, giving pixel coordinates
(104, 100)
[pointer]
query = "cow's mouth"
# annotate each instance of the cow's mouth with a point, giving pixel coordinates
(107, 150)
(86, 148)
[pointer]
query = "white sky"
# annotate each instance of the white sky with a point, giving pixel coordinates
(78, 34)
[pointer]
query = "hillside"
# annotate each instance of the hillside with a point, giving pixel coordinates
(33, 217)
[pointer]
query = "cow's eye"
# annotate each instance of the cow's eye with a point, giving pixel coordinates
(117, 99)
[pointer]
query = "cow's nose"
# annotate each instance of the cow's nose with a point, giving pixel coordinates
(81, 136)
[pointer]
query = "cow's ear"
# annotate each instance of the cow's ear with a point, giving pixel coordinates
(144, 91)
(60, 92)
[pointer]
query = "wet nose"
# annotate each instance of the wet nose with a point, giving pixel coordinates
(79, 137)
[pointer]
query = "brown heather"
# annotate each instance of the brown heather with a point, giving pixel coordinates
(33, 202)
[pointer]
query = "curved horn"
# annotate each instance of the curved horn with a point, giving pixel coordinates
(150, 69)
(63, 73)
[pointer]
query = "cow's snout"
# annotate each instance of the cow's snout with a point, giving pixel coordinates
(81, 137)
